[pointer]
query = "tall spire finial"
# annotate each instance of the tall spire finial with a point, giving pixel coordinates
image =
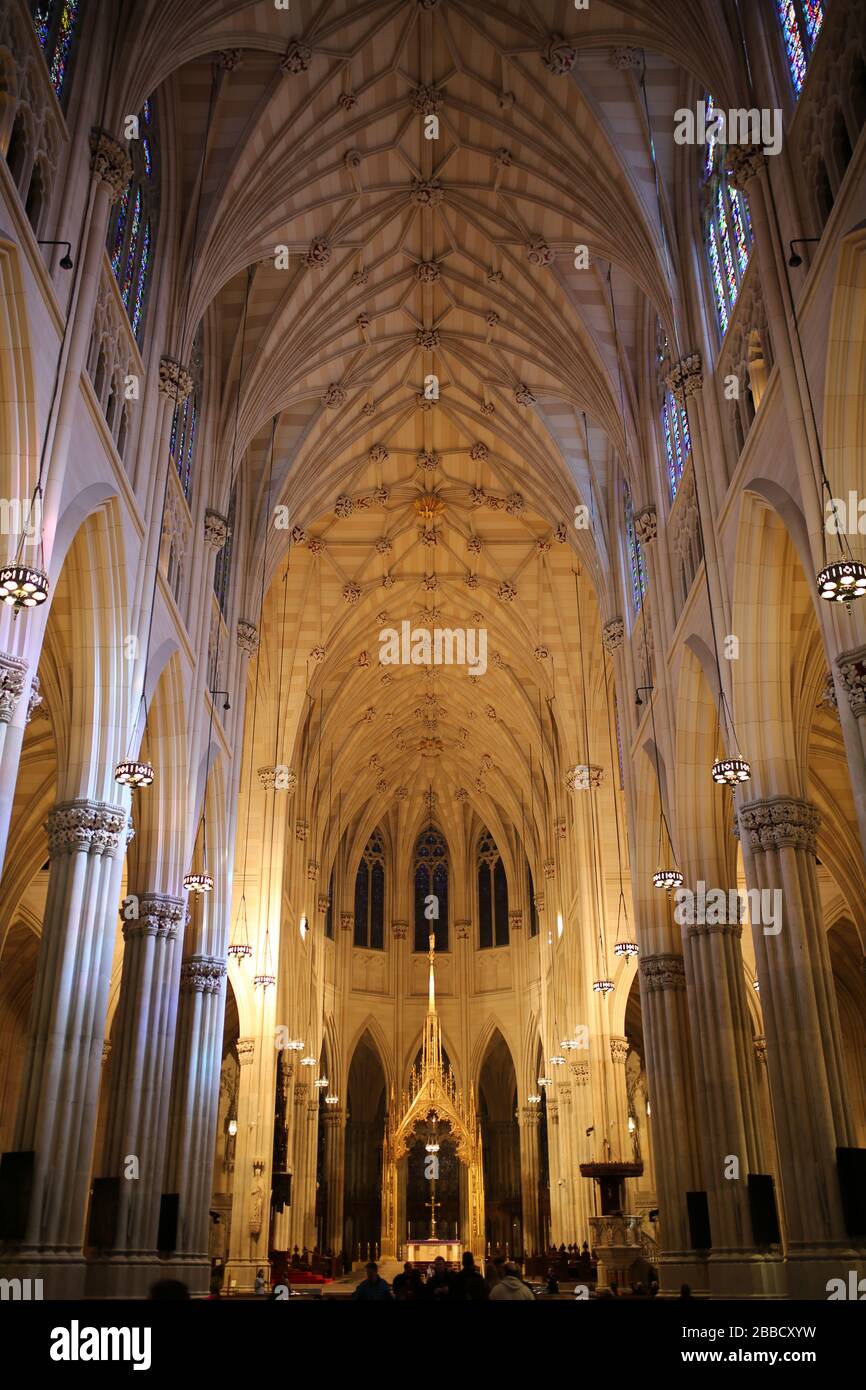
(431, 992)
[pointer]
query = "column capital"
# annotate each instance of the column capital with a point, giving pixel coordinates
(530, 1116)
(852, 668)
(580, 1072)
(175, 382)
(745, 163)
(158, 915)
(334, 1117)
(662, 972)
(646, 525)
(246, 1049)
(202, 975)
(612, 634)
(760, 1045)
(686, 377)
(302, 1090)
(780, 822)
(216, 529)
(463, 930)
(13, 673)
(248, 638)
(399, 930)
(323, 902)
(88, 827)
(347, 921)
(35, 700)
(515, 920)
(110, 162)
(618, 1049)
(582, 778)
(229, 58)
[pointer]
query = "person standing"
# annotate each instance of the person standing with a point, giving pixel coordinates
(469, 1286)
(511, 1287)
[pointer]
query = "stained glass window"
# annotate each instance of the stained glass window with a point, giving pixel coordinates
(329, 915)
(727, 227)
(431, 879)
(530, 896)
(492, 894)
(370, 896)
(635, 553)
(223, 567)
(132, 226)
(57, 23)
(801, 22)
(675, 428)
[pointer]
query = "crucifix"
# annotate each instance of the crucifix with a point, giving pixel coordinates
(433, 1204)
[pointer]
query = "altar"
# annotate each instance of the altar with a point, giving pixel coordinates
(424, 1252)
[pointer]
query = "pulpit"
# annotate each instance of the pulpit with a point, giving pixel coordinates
(616, 1235)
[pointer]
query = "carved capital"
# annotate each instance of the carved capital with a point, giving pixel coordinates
(463, 930)
(852, 669)
(35, 700)
(399, 930)
(202, 975)
(13, 673)
(760, 1045)
(110, 162)
(580, 1072)
(686, 377)
(85, 827)
(646, 526)
(583, 778)
(515, 921)
(175, 382)
(246, 1048)
(625, 57)
(780, 822)
(663, 972)
(745, 162)
(216, 530)
(248, 638)
(323, 902)
(229, 59)
(618, 1050)
(158, 915)
(612, 634)
(347, 921)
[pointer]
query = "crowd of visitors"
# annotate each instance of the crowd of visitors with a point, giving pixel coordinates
(501, 1281)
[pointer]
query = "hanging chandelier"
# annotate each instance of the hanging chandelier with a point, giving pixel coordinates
(332, 1100)
(198, 883)
(545, 1081)
(534, 1100)
(625, 944)
(23, 587)
(602, 986)
(668, 879)
(266, 976)
(239, 947)
(320, 1083)
(843, 581)
(309, 1061)
(134, 775)
(556, 1060)
(731, 772)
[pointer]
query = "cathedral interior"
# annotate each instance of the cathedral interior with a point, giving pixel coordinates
(432, 663)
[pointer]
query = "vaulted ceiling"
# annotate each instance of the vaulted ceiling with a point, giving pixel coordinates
(407, 316)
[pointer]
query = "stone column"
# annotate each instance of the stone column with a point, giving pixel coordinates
(57, 1109)
(670, 1072)
(730, 1127)
(530, 1119)
(804, 1047)
(334, 1120)
(301, 1094)
(195, 1090)
(139, 1093)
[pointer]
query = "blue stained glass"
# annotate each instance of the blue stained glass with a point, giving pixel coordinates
(725, 239)
(145, 111)
(793, 43)
(142, 282)
(813, 12)
(635, 555)
(55, 30)
(742, 228)
(117, 251)
(148, 160)
(126, 287)
(718, 288)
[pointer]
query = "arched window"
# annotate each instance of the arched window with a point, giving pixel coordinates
(133, 222)
(530, 898)
(185, 422)
(492, 894)
(727, 227)
(636, 561)
(223, 566)
(673, 417)
(801, 22)
(329, 915)
(57, 24)
(370, 895)
(431, 880)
